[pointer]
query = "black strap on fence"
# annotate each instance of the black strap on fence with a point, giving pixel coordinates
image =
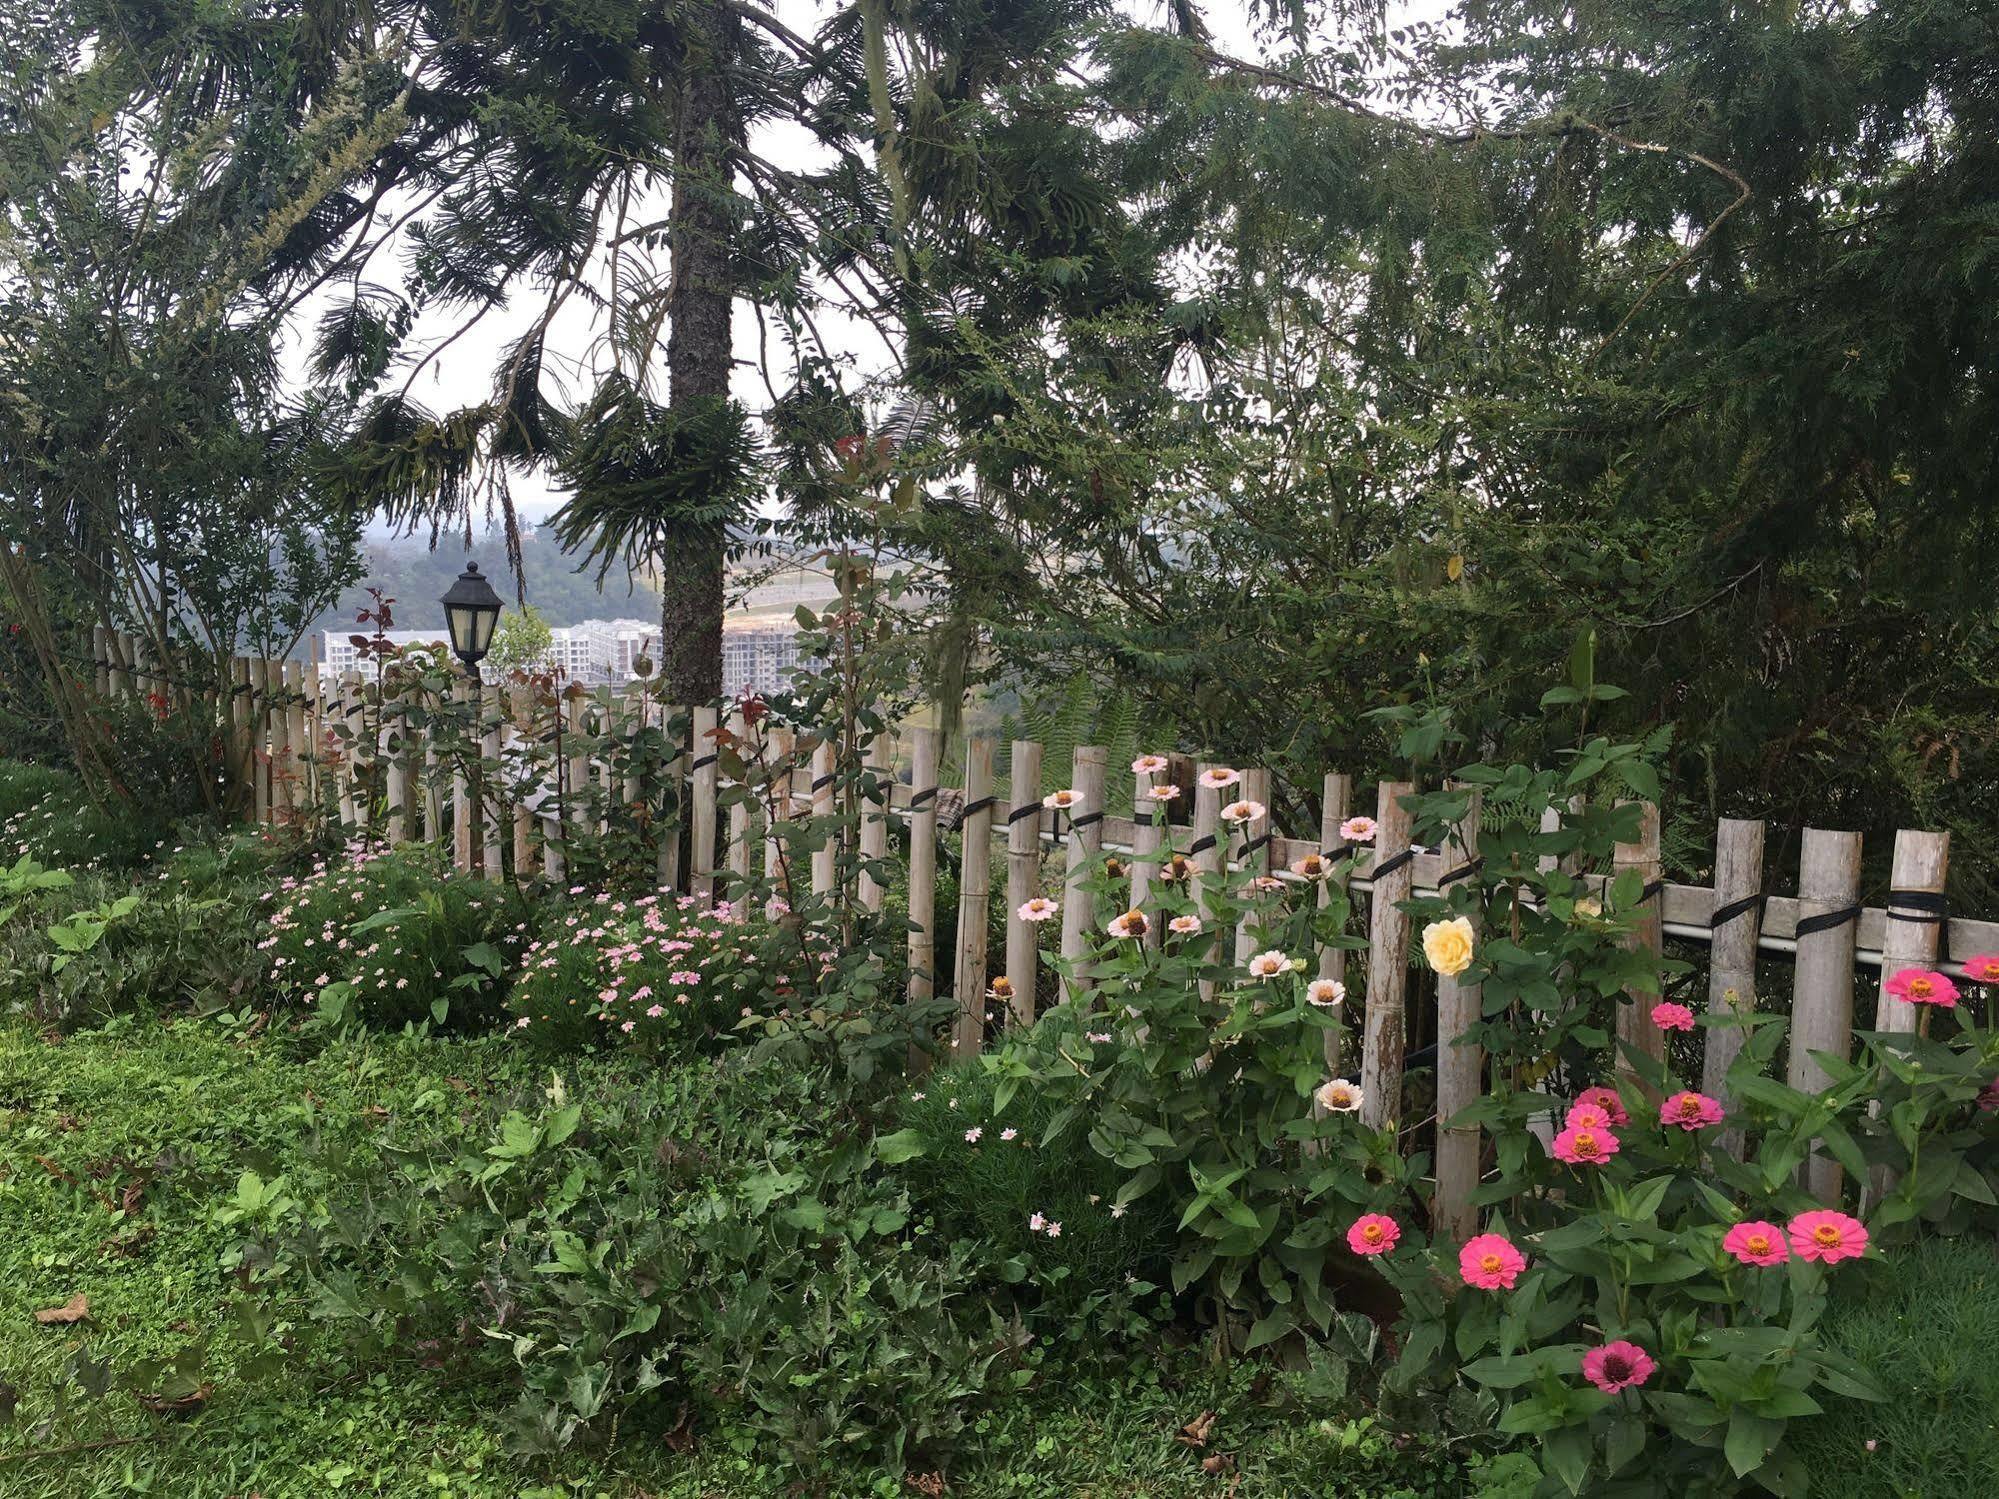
(1202, 845)
(1922, 907)
(1077, 824)
(705, 761)
(1827, 921)
(1462, 872)
(1021, 814)
(919, 798)
(1390, 866)
(1652, 891)
(823, 782)
(980, 805)
(1254, 845)
(1723, 915)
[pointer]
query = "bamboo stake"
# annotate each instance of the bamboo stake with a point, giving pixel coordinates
(1023, 877)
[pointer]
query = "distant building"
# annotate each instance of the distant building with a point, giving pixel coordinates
(757, 654)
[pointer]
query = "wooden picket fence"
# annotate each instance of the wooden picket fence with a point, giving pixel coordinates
(282, 731)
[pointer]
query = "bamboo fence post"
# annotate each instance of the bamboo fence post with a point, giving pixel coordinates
(1822, 994)
(874, 818)
(523, 769)
(282, 768)
(975, 879)
(1336, 795)
(576, 796)
(393, 734)
(825, 858)
(1023, 876)
(1634, 1017)
(242, 766)
(1147, 837)
(490, 861)
(1384, 1038)
(1734, 931)
(1911, 937)
(260, 781)
(632, 724)
(1206, 850)
(349, 688)
(1255, 858)
(673, 798)
(701, 852)
(296, 737)
(433, 783)
(121, 663)
(922, 870)
(1460, 1063)
(748, 739)
(1086, 838)
(461, 788)
(777, 857)
(100, 654)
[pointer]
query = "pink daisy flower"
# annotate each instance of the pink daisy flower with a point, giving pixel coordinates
(1184, 926)
(1357, 830)
(1165, 793)
(1587, 1116)
(1672, 1017)
(1242, 811)
(1690, 1110)
(1373, 1233)
(1148, 765)
(1268, 965)
(1061, 801)
(1617, 1366)
(1757, 1243)
(1040, 908)
(1922, 986)
(1829, 1236)
(1325, 992)
(1982, 968)
(1219, 777)
(1490, 1262)
(1585, 1147)
(1130, 925)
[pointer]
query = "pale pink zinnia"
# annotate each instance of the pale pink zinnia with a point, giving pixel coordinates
(1585, 1147)
(1325, 992)
(1617, 1366)
(1130, 925)
(1757, 1243)
(1162, 794)
(1242, 811)
(1267, 965)
(1373, 1233)
(1148, 765)
(1219, 777)
(1921, 986)
(1061, 801)
(1357, 830)
(1312, 867)
(1823, 1234)
(1040, 908)
(1184, 926)
(1490, 1262)
(1690, 1110)
(1337, 1097)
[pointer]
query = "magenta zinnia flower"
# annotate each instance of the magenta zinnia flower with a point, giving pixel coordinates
(1982, 968)
(1373, 1233)
(1587, 1116)
(1490, 1262)
(1823, 1234)
(1608, 1100)
(1585, 1147)
(1671, 1017)
(1923, 986)
(1757, 1243)
(1690, 1110)
(1617, 1366)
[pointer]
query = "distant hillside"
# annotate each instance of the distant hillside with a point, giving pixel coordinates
(416, 578)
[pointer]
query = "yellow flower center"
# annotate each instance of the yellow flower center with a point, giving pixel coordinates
(1585, 1143)
(1490, 1264)
(1759, 1243)
(1921, 988)
(1826, 1234)
(1372, 1233)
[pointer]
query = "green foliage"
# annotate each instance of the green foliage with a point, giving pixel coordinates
(521, 641)
(46, 814)
(1924, 1328)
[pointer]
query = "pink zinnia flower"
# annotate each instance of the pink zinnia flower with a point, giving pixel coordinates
(1617, 1366)
(1243, 811)
(1267, 965)
(1357, 830)
(1671, 1017)
(1587, 1116)
(1982, 968)
(1325, 992)
(1184, 926)
(1585, 1147)
(1219, 777)
(1148, 765)
(1823, 1234)
(1608, 1100)
(1373, 1233)
(1757, 1243)
(1130, 925)
(1922, 986)
(1690, 1110)
(1490, 1262)
(1164, 793)
(1040, 908)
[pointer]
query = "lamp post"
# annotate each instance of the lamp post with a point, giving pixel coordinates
(471, 609)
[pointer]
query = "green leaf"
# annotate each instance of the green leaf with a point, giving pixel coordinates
(903, 1145)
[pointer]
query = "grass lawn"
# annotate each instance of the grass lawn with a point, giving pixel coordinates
(118, 1180)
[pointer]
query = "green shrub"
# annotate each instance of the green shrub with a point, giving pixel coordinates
(1926, 1327)
(44, 813)
(392, 939)
(1040, 1207)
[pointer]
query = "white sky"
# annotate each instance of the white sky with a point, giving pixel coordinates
(463, 373)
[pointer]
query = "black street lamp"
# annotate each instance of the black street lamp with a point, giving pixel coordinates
(471, 609)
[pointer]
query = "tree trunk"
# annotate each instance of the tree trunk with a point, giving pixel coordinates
(699, 353)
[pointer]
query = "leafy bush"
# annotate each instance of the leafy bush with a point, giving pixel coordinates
(1040, 1208)
(392, 939)
(660, 973)
(1924, 1328)
(675, 1241)
(44, 813)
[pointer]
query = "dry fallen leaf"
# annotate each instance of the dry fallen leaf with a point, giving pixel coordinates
(1195, 1432)
(930, 1485)
(73, 1310)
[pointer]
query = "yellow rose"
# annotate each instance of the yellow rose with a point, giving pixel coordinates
(1447, 946)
